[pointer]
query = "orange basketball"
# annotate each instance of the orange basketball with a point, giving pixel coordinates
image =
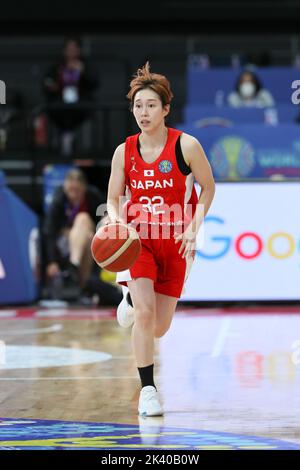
(116, 247)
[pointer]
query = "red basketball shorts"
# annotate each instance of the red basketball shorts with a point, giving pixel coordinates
(160, 261)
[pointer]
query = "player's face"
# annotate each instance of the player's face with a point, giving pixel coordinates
(148, 110)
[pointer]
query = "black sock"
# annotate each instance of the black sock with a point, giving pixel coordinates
(146, 375)
(128, 298)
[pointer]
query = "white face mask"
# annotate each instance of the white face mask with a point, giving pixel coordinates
(247, 89)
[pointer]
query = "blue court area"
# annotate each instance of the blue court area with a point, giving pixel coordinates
(68, 435)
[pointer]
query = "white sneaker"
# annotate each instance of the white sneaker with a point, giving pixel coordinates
(125, 315)
(149, 404)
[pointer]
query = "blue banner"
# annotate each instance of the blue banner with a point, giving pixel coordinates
(250, 151)
(204, 113)
(19, 250)
(204, 85)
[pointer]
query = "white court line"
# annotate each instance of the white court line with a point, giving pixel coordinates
(50, 329)
(8, 313)
(57, 312)
(221, 337)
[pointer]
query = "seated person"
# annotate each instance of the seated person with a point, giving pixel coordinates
(70, 226)
(249, 93)
(70, 82)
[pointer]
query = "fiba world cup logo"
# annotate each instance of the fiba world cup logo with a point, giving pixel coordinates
(165, 166)
(232, 157)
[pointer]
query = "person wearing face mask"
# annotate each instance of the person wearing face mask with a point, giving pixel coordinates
(250, 93)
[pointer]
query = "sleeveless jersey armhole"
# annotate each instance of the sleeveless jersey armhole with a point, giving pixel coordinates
(183, 167)
(127, 159)
(138, 145)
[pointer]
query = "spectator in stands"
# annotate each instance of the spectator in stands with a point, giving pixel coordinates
(69, 82)
(69, 228)
(249, 92)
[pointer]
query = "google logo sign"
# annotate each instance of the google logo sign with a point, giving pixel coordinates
(224, 243)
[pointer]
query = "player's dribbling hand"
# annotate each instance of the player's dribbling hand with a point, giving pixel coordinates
(112, 220)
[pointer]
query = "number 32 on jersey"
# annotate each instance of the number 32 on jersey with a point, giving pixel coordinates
(153, 204)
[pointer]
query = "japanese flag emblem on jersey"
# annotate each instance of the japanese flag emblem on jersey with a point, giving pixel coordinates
(148, 172)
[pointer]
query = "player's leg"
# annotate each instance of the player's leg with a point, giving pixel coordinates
(169, 291)
(144, 268)
(165, 308)
(144, 302)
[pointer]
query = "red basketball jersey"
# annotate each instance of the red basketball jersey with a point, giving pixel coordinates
(159, 191)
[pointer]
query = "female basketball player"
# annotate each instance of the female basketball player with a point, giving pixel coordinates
(157, 166)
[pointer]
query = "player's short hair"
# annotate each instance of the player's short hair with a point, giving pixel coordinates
(154, 81)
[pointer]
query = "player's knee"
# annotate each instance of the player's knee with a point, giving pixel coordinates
(145, 317)
(160, 331)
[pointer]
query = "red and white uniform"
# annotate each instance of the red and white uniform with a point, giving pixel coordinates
(154, 188)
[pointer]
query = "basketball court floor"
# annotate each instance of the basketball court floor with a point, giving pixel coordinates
(229, 379)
